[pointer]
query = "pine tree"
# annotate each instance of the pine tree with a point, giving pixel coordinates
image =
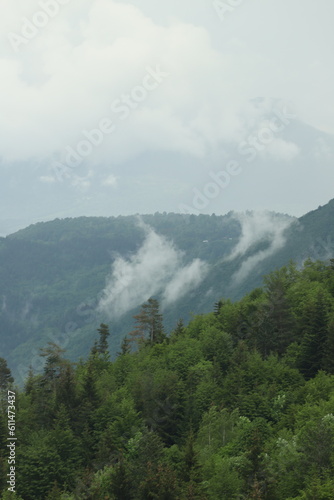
(179, 330)
(191, 465)
(121, 486)
(148, 324)
(66, 390)
(5, 375)
(102, 346)
(54, 362)
(278, 324)
(62, 440)
(217, 307)
(30, 381)
(328, 359)
(94, 349)
(55, 493)
(314, 336)
(192, 471)
(125, 347)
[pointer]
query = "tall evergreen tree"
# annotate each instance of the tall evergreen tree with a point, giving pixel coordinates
(148, 323)
(328, 359)
(217, 307)
(125, 347)
(121, 486)
(66, 391)
(54, 362)
(102, 346)
(314, 336)
(179, 330)
(5, 375)
(278, 324)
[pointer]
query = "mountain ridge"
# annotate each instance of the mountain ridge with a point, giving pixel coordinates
(53, 274)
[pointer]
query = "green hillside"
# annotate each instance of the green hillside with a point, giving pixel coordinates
(52, 274)
(238, 404)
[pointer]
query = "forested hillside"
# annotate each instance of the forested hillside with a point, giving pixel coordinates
(238, 404)
(53, 275)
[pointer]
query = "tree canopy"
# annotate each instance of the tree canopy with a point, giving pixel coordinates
(238, 403)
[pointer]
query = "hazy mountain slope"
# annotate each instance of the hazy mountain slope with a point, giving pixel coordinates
(54, 275)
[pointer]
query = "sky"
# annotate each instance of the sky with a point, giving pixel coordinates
(203, 106)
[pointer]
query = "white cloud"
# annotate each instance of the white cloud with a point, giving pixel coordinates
(279, 149)
(257, 227)
(184, 280)
(48, 179)
(82, 183)
(93, 52)
(156, 267)
(322, 150)
(111, 181)
(64, 81)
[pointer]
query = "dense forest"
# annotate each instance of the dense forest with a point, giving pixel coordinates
(237, 404)
(52, 274)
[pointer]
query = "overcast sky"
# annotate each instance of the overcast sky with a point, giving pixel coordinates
(116, 107)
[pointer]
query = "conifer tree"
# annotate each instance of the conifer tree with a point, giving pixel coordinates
(217, 307)
(191, 464)
(121, 486)
(102, 346)
(66, 390)
(148, 323)
(328, 359)
(179, 330)
(314, 336)
(30, 381)
(94, 349)
(5, 375)
(278, 323)
(54, 362)
(125, 347)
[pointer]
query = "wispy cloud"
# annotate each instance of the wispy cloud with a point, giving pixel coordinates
(257, 227)
(184, 280)
(281, 150)
(110, 181)
(158, 267)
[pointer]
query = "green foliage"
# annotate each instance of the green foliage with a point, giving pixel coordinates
(149, 325)
(8, 495)
(218, 410)
(102, 346)
(5, 375)
(224, 482)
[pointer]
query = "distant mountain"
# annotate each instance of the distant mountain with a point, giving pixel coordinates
(59, 280)
(276, 151)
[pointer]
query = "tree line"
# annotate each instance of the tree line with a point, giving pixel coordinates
(238, 404)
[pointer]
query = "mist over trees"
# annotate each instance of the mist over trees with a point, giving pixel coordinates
(236, 404)
(60, 279)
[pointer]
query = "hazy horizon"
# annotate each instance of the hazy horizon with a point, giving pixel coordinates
(115, 107)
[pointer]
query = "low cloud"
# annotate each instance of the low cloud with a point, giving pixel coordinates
(257, 227)
(110, 181)
(279, 149)
(156, 268)
(185, 279)
(322, 150)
